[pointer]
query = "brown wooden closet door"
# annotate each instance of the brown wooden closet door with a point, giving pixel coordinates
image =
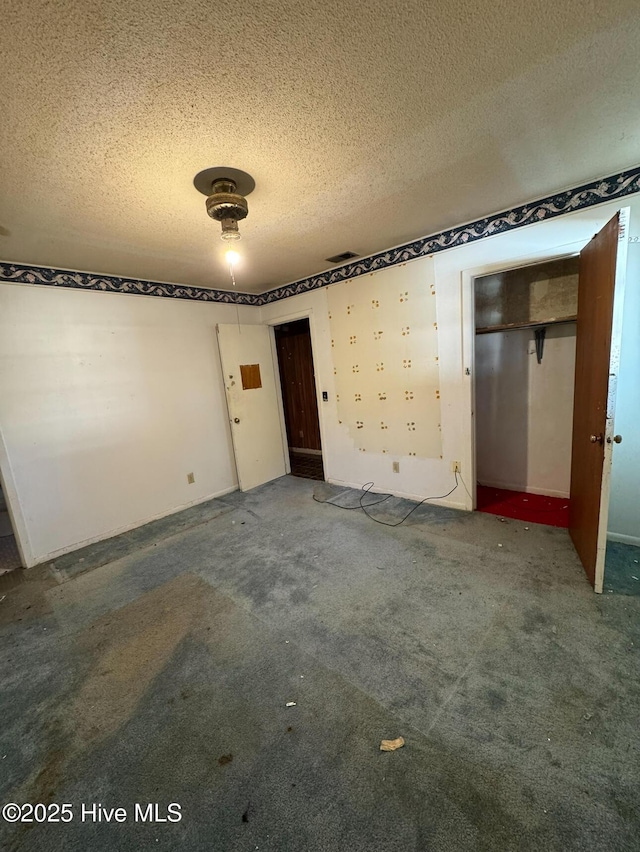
(600, 291)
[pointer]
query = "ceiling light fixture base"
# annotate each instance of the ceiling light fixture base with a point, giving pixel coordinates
(225, 189)
(204, 180)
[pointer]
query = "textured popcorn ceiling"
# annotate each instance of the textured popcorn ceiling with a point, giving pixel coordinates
(365, 124)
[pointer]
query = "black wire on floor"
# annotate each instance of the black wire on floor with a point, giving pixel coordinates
(366, 489)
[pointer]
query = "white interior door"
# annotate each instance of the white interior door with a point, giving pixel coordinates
(252, 398)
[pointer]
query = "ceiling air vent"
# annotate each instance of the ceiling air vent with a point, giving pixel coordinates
(340, 258)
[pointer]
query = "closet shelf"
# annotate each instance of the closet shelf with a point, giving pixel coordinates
(510, 326)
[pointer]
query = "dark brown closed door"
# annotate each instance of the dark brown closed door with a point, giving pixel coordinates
(295, 361)
(600, 293)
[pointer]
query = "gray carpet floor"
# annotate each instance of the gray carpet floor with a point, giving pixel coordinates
(157, 668)
(9, 554)
(622, 569)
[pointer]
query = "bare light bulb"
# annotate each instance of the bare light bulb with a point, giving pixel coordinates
(232, 257)
(230, 232)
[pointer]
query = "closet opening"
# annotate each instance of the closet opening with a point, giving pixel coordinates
(525, 349)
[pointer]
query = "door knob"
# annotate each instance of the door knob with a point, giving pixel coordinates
(596, 439)
(236, 419)
(617, 439)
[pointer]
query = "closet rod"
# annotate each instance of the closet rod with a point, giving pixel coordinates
(510, 326)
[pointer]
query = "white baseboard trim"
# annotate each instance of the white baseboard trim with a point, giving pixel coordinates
(447, 503)
(119, 530)
(528, 489)
(624, 539)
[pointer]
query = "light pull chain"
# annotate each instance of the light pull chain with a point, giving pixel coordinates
(233, 281)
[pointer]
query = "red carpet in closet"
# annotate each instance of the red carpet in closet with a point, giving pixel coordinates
(535, 508)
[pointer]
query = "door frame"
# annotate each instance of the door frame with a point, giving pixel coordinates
(468, 277)
(304, 313)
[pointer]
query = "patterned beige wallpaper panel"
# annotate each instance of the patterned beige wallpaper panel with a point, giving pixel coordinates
(385, 355)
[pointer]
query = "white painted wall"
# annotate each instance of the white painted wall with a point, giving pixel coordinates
(624, 510)
(524, 410)
(107, 401)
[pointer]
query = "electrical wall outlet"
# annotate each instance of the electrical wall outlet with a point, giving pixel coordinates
(455, 467)
(396, 467)
(190, 478)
